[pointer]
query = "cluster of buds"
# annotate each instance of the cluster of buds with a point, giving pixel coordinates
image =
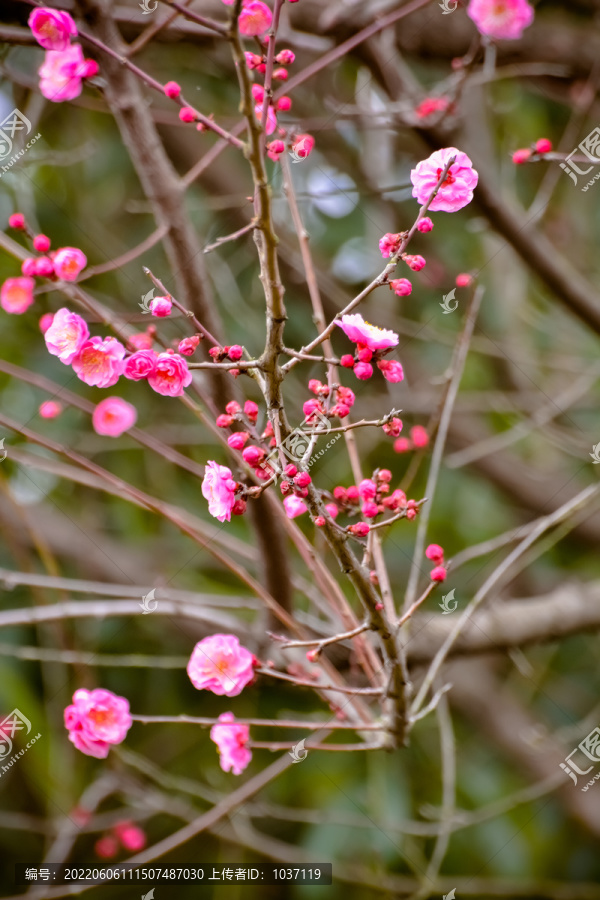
(315, 409)
(540, 148)
(360, 364)
(372, 498)
(436, 554)
(418, 439)
(233, 353)
(129, 836)
(259, 62)
(233, 413)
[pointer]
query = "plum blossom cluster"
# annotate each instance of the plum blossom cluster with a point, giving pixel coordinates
(435, 553)
(220, 664)
(100, 362)
(371, 345)
(64, 66)
(64, 264)
(98, 719)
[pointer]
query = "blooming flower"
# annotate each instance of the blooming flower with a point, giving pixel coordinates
(113, 417)
(294, 506)
(218, 487)
(97, 719)
(99, 363)
(501, 19)
(232, 744)
(66, 335)
(51, 28)
(16, 295)
(361, 332)
(170, 376)
(220, 664)
(62, 71)
(68, 263)
(455, 191)
(140, 365)
(255, 18)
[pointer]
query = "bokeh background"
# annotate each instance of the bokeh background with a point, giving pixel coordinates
(524, 830)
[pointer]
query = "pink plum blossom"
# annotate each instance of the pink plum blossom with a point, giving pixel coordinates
(455, 191)
(220, 664)
(62, 71)
(99, 363)
(160, 306)
(303, 145)
(66, 335)
(218, 487)
(361, 332)
(188, 345)
(113, 417)
(367, 489)
(45, 322)
(52, 28)
(401, 286)
(68, 263)
(271, 123)
(50, 409)
(170, 376)
(392, 370)
(501, 19)
(419, 436)
(363, 371)
(131, 836)
(140, 365)
(232, 744)
(97, 719)
(255, 18)
(389, 244)
(294, 506)
(16, 295)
